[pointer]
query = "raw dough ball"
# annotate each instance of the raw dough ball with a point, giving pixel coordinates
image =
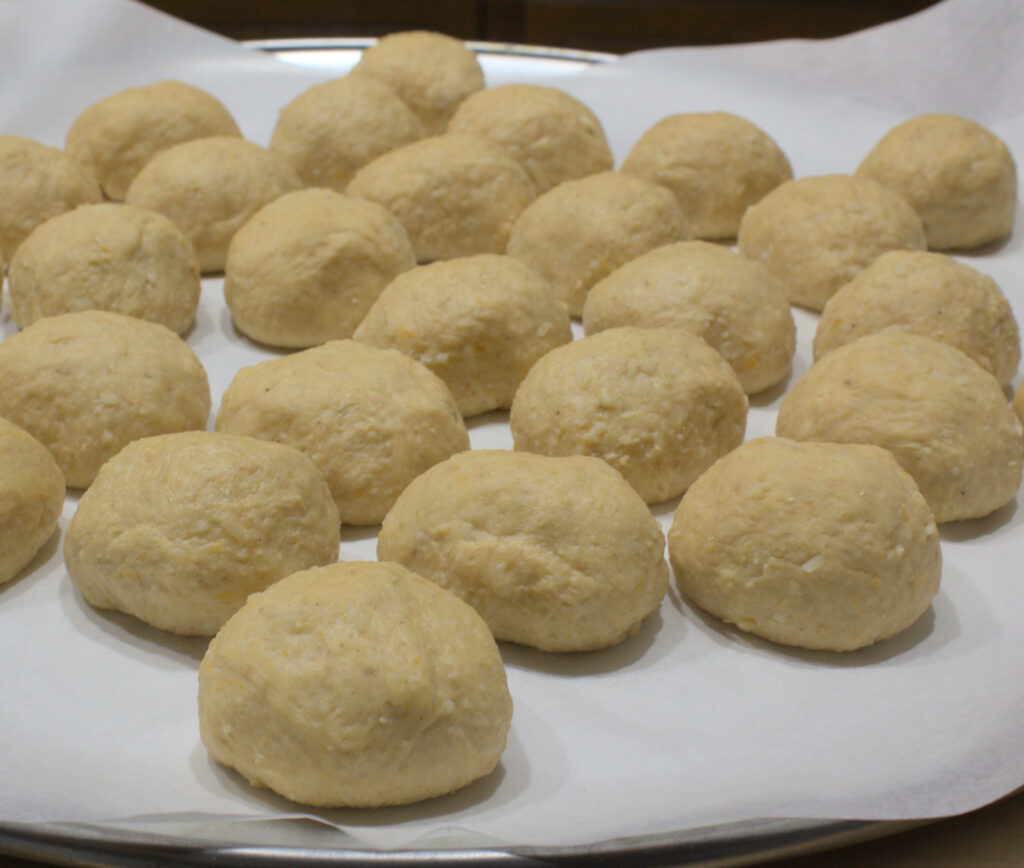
(551, 134)
(37, 183)
(356, 684)
(732, 302)
(209, 188)
(478, 323)
(816, 234)
(944, 418)
(307, 267)
(106, 257)
(582, 230)
(456, 195)
(659, 405)
(716, 163)
(180, 529)
(818, 545)
(928, 294)
(957, 175)
(329, 131)
(432, 72)
(31, 498)
(557, 553)
(87, 384)
(1018, 403)
(372, 420)
(115, 137)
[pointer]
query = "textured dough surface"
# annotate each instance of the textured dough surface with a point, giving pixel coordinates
(818, 545)
(945, 419)
(180, 529)
(356, 684)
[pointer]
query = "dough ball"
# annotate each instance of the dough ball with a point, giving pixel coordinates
(209, 188)
(456, 195)
(659, 405)
(818, 545)
(106, 257)
(928, 294)
(87, 384)
(178, 530)
(432, 72)
(957, 175)
(478, 323)
(37, 183)
(329, 131)
(716, 163)
(372, 420)
(307, 267)
(115, 137)
(31, 498)
(551, 134)
(944, 418)
(582, 230)
(557, 553)
(732, 302)
(816, 234)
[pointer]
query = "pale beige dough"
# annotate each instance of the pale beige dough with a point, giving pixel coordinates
(456, 195)
(87, 384)
(945, 419)
(372, 420)
(730, 301)
(479, 323)
(209, 188)
(355, 685)
(716, 164)
(179, 529)
(106, 257)
(581, 231)
(116, 136)
(557, 553)
(816, 234)
(928, 294)
(307, 267)
(31, 498)
(659, 405)
(1018, 403)
(36, 183)
(818, 545)
(959, 177)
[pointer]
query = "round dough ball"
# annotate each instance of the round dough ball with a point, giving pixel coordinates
(37, 183)
(557, 553)
(307, 267)
(716, 164)
(730, 301)
(87, 384)
(944, 418)
(355, 685)
(549, 133)
(1018, 403)
(659, 405)
(479, 323)
(106, 257)
(928, 294)
(432, 72)
(817, 545)
(31, 498)
(209, 188)
(582, 230)
(957, 175)
(335, 128)
(456, 195)
(816, 234)
(372, 420)
(115, 137)
(178, 530)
